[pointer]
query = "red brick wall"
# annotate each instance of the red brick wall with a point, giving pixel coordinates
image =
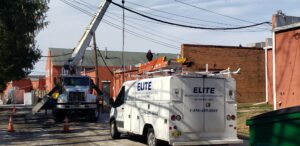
(118, 79)
(39, 84)
(250, 81)
(23, 84)
(287, 55)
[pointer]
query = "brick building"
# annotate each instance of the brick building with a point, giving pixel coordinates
(22, 86)
(28, 84)
(286, 67)
(283, 70)
(250, 81)
(111, 58)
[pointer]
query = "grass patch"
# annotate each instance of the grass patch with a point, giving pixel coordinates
(246, 111)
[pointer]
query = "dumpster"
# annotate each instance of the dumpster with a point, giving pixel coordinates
(275, 128)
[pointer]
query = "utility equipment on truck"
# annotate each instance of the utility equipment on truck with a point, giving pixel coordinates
(182, 109)
(74, 90)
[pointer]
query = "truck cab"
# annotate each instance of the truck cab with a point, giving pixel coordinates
(74, 97)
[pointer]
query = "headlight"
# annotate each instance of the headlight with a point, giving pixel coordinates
(59, 100)
(62, 99)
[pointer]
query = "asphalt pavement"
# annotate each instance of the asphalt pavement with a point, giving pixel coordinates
(42, 130)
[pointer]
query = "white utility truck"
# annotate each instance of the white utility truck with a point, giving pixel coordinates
(188, 109)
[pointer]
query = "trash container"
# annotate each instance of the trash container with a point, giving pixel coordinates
(275, 128)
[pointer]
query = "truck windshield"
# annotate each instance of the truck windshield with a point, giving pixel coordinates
(76, 81)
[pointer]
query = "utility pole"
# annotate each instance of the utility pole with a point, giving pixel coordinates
(96, 60)
(96, 66)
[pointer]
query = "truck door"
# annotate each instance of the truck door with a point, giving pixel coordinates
(119, 105)
(135, 120)
(214, 104)
(135, 116)
(192, 105)
(130, 104)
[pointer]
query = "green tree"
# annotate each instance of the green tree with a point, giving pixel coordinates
(20, 21)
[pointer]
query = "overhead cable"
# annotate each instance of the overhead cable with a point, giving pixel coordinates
(214, 12)
(188, 26)
(100, 54)
(120, 28)
(182, 16)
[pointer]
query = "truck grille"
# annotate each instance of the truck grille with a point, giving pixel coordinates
(76, 96)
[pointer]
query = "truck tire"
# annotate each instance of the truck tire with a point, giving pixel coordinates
(59, 115)
(94, 114)
(114, 130)
(151, 139)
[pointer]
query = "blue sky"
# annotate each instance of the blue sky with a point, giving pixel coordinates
(67, 24)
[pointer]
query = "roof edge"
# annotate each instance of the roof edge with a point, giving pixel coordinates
(287, 27)
(219, 46)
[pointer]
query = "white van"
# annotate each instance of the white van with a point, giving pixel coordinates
(180, 109)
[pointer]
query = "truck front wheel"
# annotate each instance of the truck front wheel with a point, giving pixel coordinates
(94, 114)
(151, 139)
(59, 115)
(113, 130)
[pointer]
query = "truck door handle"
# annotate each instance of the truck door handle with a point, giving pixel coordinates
(122, 108)
(128, 116)
(137, 117)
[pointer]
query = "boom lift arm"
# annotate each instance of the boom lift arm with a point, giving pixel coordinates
(72, 65)
(78, 53)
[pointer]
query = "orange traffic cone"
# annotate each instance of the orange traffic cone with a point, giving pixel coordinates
(14, 110)
(66, 125)
(10, 127)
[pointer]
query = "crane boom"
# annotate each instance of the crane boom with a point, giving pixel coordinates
(73, 90)
(85, 40)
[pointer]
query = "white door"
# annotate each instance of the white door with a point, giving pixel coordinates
(135, 119)
(193, 104)
(214, 104)
(127, 115)
(130, 104)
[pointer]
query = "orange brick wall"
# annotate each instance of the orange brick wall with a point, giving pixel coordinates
(118, 79)
(250, 81)
(287, 56)
(23, 84)
(104, 75)
(39, 84)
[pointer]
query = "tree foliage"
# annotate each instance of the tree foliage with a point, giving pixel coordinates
(20, 21)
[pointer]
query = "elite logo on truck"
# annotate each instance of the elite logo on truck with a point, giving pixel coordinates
(205, 90)
(144, 86)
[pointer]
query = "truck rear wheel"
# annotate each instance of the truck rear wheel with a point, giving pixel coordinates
(151, 139)
(113, 130)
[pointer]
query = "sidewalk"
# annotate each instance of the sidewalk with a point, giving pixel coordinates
(4, 107)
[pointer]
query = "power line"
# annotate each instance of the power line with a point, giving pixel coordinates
(92, 7)
(187, 26)
(248, 30)
(148, 32)
(99, 53)
(123, 39)
(118, 27)
(161, 34)
(214, 12)
(182, 16)
(186, 22)
(141, 36)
